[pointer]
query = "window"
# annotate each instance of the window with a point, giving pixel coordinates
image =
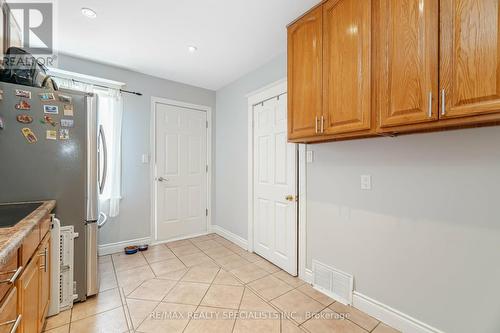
(110, 110)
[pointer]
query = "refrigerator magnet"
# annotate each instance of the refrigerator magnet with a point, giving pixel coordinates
(24, 119)
(47, 97)
(1, 123)
(29, 135)
(51, 109)
(23, 93)
(51, 135)
(23, 105)
(67, 123)
(68, 110)
(64, 98)
(48, 120)
(64, 134)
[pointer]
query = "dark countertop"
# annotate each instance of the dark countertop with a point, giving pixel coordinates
(12, 238)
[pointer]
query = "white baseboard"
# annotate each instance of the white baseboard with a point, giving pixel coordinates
(240, 241)
(390, 316)
(308, 276)
(111, 248)
(178, 238)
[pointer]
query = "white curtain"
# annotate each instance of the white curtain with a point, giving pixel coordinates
(110, 109)
(111, 120)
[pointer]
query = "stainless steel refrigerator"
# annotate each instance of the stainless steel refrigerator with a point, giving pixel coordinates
(65, 167)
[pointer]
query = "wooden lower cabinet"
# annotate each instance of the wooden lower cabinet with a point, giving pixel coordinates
(44, 268)
(8, 312)
(29, 289)
(7, 272)
(34, 289)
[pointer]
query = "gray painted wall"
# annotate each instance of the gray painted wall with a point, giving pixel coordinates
(425, 240)
(231, 120)
(134, 219)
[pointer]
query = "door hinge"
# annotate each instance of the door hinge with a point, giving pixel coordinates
(206, 123)
(206, 212)
(206, 169)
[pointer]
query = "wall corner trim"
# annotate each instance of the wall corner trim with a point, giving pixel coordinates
(240, 241)
(390, 316)
(117, 247)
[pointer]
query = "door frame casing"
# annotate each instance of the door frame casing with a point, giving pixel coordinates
(152, 163)
(258, 96)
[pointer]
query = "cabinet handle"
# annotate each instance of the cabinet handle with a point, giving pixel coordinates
(16, 323)
(443, 102)
(14, 277)
(44, 254)
(430, 104)
(316, 124)
(322, 124)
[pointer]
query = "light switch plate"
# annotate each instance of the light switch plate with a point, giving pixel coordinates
(366, 182)
(145, 158)
(309, 156)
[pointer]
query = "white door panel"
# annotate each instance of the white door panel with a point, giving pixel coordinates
(181, 159)
(275, 178)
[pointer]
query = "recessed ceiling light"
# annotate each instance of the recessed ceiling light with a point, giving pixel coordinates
(89, 13)
(192, 48)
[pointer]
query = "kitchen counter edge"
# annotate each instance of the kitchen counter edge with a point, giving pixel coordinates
(12, 238)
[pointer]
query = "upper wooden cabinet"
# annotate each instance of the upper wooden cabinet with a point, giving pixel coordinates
(407, 64)
(346, 66)
(305, 54)
(360, 68)
(470, 57)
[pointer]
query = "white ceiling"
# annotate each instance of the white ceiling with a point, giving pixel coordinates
(233, 37)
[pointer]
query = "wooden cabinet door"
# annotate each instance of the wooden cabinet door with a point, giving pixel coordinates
(407, 61)
(8, 312)
(304, 75)
(470, 57)
(346, 66)
(44, 267)
(28, 286)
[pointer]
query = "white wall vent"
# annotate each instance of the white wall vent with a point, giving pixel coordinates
(62, 261)
(332, 282)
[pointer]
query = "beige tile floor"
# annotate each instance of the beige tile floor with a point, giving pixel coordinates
(206, 284)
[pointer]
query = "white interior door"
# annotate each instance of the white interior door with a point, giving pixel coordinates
(181, 172)
(275, 180)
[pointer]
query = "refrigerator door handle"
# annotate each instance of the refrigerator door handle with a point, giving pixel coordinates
(102, 182)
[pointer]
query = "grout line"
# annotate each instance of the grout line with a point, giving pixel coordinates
(245, 285)
(196, 309)
(222, 242)
(70, 319)
(373, 330)
(122, 291)
(239, 309)
(144, 319)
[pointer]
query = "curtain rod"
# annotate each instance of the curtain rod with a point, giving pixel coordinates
(101, 86)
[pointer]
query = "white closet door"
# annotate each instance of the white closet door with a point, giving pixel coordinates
(275, 180)
(181, 176)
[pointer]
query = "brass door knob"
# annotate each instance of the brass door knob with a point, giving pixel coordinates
(290, 198)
